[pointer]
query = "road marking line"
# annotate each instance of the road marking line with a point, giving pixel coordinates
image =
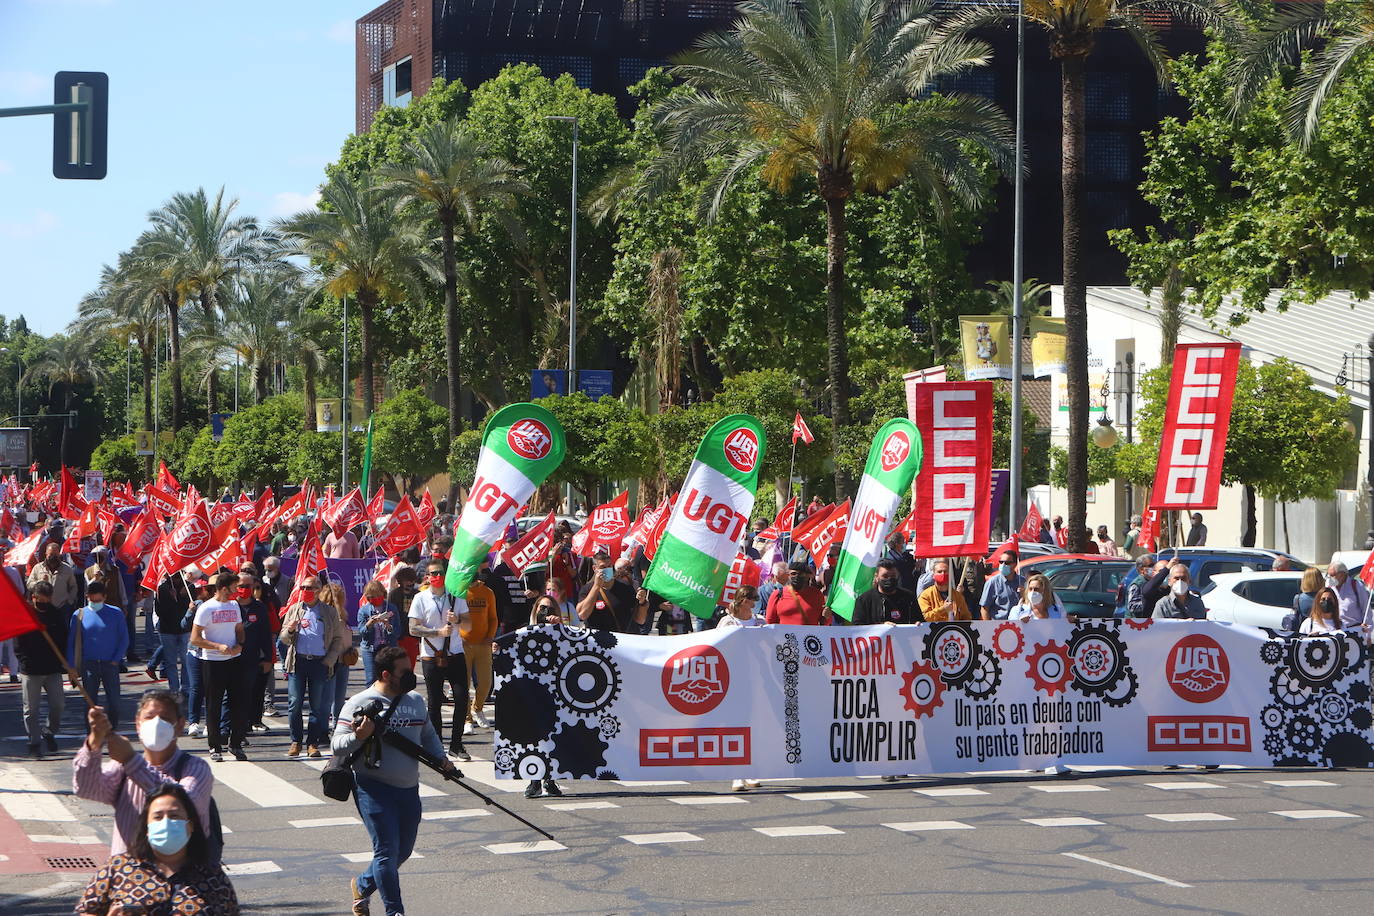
(259, 786)
(59, 838)
(950, 793)
(636, 783)
(582, 806)
(826, 796)
(649, 839)
(1062, 821)
(326, 822)
(484, 771)
(360, 857)
(708, 800)
(426, 791)
(27, 799)
(1070, 787)
(1312, 813)
(1101, 769)
(1185, 784)
(451, 815)
(1130, 871)
(914, 826)
(1189, 818)
(1000, 772)
(505, 849)
(52, 890)
(251, 868)
(1299, 783)
(817, 830)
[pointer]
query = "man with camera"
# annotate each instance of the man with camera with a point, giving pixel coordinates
(387, 779)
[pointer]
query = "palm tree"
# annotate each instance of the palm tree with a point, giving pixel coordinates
(125, 310)
(452, 179)
(1344, 32)
(212, 244)
(253, 327)
(155, 267)
(363, 251)
(304, 335)
(820, 89)
(66, 361)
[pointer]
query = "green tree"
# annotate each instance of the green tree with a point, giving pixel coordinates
(607, 440)
(66, 363)
(258, 441)
(462, 456)
(117, 459)
(316, 457)
(808, 91)
(410, 439)
(198, 466)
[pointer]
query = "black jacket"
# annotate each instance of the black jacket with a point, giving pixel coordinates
(874, 607)
(35, 655)
(257, 632)
(172, 601)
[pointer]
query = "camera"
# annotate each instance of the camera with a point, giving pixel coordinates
(371, 709)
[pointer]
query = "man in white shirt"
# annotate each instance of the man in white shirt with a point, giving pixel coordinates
(435, 618)
(218, 631)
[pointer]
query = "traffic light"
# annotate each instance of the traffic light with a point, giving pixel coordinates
(80, 138)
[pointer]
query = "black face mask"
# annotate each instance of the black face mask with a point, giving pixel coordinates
(886, 585)
(407, 682)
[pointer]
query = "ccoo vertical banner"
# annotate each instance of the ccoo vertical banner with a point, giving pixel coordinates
(893, 460)
(951, 495)
(1196, 421)
(711, 514)
(522, 446)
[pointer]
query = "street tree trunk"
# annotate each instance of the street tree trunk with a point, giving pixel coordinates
(145, 353)
(452, 330)
(367, 306)
(174, 339)
(835, 190)
(207, 305)
(308, 368)
(1075, 293)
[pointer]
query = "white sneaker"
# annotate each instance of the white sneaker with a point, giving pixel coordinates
(739, 785)
(467, 728)
(195, 730)
(481, 720)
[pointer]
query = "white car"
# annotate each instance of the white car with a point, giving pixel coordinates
(1257, 599)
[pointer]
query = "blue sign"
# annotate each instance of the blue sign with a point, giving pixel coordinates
(595, 383)
(217, 421)
(351, 574)
(544, 382)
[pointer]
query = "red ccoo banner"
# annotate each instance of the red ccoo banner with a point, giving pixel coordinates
(951, 501)
(1196, 421)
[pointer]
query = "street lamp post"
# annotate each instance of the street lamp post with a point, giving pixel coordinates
(572, 273)
(1368, 423)
(343, 408)
(1018, 280)
(128, 389)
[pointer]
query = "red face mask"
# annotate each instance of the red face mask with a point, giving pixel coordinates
(308, 595)
(376, 600)
(245, 594)
(942, 578)
(436, 581)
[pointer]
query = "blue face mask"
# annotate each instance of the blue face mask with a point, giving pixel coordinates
(97, 606)
(1005, 569)
(169, 835)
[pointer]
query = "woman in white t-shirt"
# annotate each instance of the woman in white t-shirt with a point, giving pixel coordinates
(1325, 616)
(217, 631)
(740, 613)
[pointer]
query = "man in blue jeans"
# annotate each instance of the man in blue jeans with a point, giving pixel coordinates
(172, 601)
(96, 643)
(387, 791)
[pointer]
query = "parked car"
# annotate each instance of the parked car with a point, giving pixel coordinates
(1354, 560)
(1257, 599)
(1206, 562)
(1088, 586)
(526, 522)
(1046, 563)
(1028, 549)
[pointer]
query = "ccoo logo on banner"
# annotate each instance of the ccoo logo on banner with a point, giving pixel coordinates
(780, 702)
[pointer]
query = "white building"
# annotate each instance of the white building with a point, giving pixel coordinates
(1328, 338)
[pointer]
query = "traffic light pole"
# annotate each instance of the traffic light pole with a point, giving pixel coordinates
(79, 140)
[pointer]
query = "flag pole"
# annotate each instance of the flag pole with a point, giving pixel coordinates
(71, 672)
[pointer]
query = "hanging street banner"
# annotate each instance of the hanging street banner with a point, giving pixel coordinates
(950, 500)
(1196, 421)
(1047, 346)
(893, 460)
(783, 702)
(986, 343)
(523, 444)
(711, 514)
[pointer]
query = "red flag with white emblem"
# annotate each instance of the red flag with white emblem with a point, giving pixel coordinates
(801, 431)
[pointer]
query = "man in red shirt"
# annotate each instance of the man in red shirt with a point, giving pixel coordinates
(799, 602)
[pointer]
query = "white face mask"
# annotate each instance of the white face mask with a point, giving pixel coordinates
(157, 734)
(1034, 596)
(1180, 587)
(1332, 582)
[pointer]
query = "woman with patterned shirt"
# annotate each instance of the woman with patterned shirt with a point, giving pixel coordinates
(167, 870)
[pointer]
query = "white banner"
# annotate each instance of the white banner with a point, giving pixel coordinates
(783, 701)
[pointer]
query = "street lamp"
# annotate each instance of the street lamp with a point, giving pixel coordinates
(1368, 418)
(1018, 279)
(572, 274)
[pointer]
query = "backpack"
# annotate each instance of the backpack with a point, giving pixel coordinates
(214, 832)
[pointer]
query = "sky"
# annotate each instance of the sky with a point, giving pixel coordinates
(251, 95)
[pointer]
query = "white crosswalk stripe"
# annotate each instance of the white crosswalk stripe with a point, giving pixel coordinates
(1313, 813)
(708, 800)
(650, 839)
(259, 785)
(1070, 787)
(251, 868)
(815, 830)
(920, 826)
(1062, 821)
(954, 792)
(826, 796)
(26, 798)
(1185, 784)
(503, 849)
(1190, 818)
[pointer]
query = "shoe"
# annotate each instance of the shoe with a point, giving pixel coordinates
(891, 778)
(738, 786)
(751, 783)
(260, 729)
(216, 755)
(551, 788)
(123, 668)
(238, 753)
(294, 750)
(534, 789)
(458, 752)
(312, 751)
(51, 741)
(151, 672)
(481, 720)
(14, 678)
(271, 712)
(195, 730)
(361, 905)
(467, 728)
(36, 752)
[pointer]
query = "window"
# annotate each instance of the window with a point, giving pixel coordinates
(396, 83)
(403, 77)
(1272, 592)
(1217, 567)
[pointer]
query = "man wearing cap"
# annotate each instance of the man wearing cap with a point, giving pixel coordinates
(66, 594)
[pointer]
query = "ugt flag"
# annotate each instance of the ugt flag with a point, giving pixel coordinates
(712, 512)
(522, 446)
(893, 460)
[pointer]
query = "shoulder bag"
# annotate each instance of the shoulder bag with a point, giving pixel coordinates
(336, 779)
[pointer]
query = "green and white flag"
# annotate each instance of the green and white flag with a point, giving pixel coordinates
(893, 460)
(522, 446)
(710, 517)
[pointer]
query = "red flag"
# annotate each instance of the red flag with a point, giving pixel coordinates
(801, 431)
(165, 502)
(16, 616)
(1197, 417)
(640, 528)
(1367, 574)
(121, 497)
(1149, 529)
(262, 508)
(1030, 528)
(907, 526)
(142, 537)
(426, 510)
(606, 528)
(783, 523)
(107, 520)
(401, 530)
(153, 574)
(190, 539)
(70, 502)
(165, 478)
(21, 554)
(228, 554)
(829, 534)
(1012, 543)
(534, 547)
(951, 499)
(377, 507)
(806, 531)
(311, 562)
(655, 534)
(743, 571)
(346, 513)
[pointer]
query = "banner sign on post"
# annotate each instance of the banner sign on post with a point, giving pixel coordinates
(1196, 421)
(951, 495)
(522, 446)
(893, 459)
(986, 346)
(1047, 346)
(711, 514)
(785, 702)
